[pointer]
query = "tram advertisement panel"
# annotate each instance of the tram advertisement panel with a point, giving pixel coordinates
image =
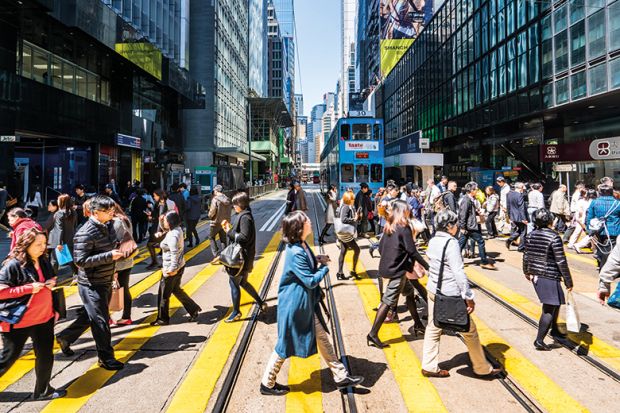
(401, 22)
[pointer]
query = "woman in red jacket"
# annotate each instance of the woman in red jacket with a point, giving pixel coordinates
(20, 222)
(27, 278)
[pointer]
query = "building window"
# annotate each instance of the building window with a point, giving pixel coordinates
(577, 11)
(614, 68)
(26, 62)
(548, 95)
(579, 87)
(559, 19)
(561, 91)
(578, 43)
(614, 26)
(598, 79)
(547, 58)
(39, 66)
(596, 34)
(561, 51)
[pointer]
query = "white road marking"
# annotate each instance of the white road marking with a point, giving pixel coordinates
(273, 218)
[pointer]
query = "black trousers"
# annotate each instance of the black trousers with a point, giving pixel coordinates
(217, 230)
(169, 286)
(191, 231)
(139, 229)
(344, 246)
(123, 281)
(603, 249)
(152, 244)
(490, 224)
(518, 230)
(42, 336)
(96, 315)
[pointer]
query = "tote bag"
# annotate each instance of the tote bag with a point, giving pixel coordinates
(572, 316)
(344, 232)
(117, 302)
(614, 299)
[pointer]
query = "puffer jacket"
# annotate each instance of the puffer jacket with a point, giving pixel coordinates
(544, 256)
(92, 253)
(172, 251)
(243, 231)
(220, 210)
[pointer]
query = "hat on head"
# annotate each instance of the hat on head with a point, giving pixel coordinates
(218, 188)
(500, 179)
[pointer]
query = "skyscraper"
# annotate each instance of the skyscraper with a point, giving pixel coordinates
(217, 134)
(258, 49)
(348, 37)
(314, 128)
(299, 104)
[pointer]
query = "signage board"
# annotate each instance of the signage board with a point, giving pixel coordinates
(607, 148)
(361, 146)
(361, 155)
(425, 143)
(407, 144)
(8, 138)
(128, 141)
(567, 167)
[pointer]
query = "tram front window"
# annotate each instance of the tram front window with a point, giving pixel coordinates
(361, 173)
(362, 132)
(376, 173)
(347, 172)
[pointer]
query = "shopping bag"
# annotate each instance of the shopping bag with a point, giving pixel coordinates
(64, 257)
(572, 316)
(116, 300)
(614, 299)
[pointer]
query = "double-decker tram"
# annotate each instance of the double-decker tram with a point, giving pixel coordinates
(353, 155)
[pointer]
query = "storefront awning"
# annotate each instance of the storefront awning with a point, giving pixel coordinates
(414, 159)
(240, 154)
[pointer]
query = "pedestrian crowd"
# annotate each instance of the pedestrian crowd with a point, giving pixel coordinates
(417, 232)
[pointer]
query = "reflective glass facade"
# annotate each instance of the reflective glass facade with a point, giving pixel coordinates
(258, 50)
(485, 62)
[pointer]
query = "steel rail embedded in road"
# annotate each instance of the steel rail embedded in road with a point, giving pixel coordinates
(223, 399)
(570, 345)
(348, 395)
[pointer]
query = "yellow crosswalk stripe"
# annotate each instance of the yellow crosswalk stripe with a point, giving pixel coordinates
(82, 389)
(26, 362)
(605, 352)
(546, 392)
(417, 391)
(305, 394)
(197, 387)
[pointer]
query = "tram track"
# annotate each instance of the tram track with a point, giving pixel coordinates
(348, 395)
(225, 394)
(574, 348)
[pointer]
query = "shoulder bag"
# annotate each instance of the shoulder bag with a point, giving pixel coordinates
(59, 302)
(450, 312)
(344, 232)
(232, 255)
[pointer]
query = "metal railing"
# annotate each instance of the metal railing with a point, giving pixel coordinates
(255, 191)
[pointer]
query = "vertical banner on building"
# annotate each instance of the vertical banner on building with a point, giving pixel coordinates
(401, 22)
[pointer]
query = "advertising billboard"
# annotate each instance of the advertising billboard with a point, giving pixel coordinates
(401, 22)
(144, 55)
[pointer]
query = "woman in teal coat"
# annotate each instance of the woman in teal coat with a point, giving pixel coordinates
(301, 327)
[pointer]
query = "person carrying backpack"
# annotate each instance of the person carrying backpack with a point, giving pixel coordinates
(603, 222)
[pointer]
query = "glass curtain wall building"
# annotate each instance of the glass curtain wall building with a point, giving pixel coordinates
(258, 48)
(493, 83)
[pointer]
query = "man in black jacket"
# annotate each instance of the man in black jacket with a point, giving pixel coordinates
(517, 211)
(449, 197)
(469, 225)
(362, 202)
(95, 253)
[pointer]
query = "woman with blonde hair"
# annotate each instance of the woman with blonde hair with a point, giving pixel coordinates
(347, 242)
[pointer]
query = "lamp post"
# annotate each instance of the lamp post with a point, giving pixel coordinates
(250, 141)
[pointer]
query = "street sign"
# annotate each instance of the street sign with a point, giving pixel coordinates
(425, 143)
(567, 167)
(8, 138)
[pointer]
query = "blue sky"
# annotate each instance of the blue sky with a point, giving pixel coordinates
(318, 42)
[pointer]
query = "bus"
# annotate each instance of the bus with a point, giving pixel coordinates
(353, 155)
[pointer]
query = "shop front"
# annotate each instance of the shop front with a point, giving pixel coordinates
(50, 165)
(586, 161)
(130, 158)
(405, 162)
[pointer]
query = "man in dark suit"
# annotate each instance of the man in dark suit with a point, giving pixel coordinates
(517, 211)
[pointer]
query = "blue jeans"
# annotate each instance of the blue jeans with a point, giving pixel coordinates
(477, 237)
